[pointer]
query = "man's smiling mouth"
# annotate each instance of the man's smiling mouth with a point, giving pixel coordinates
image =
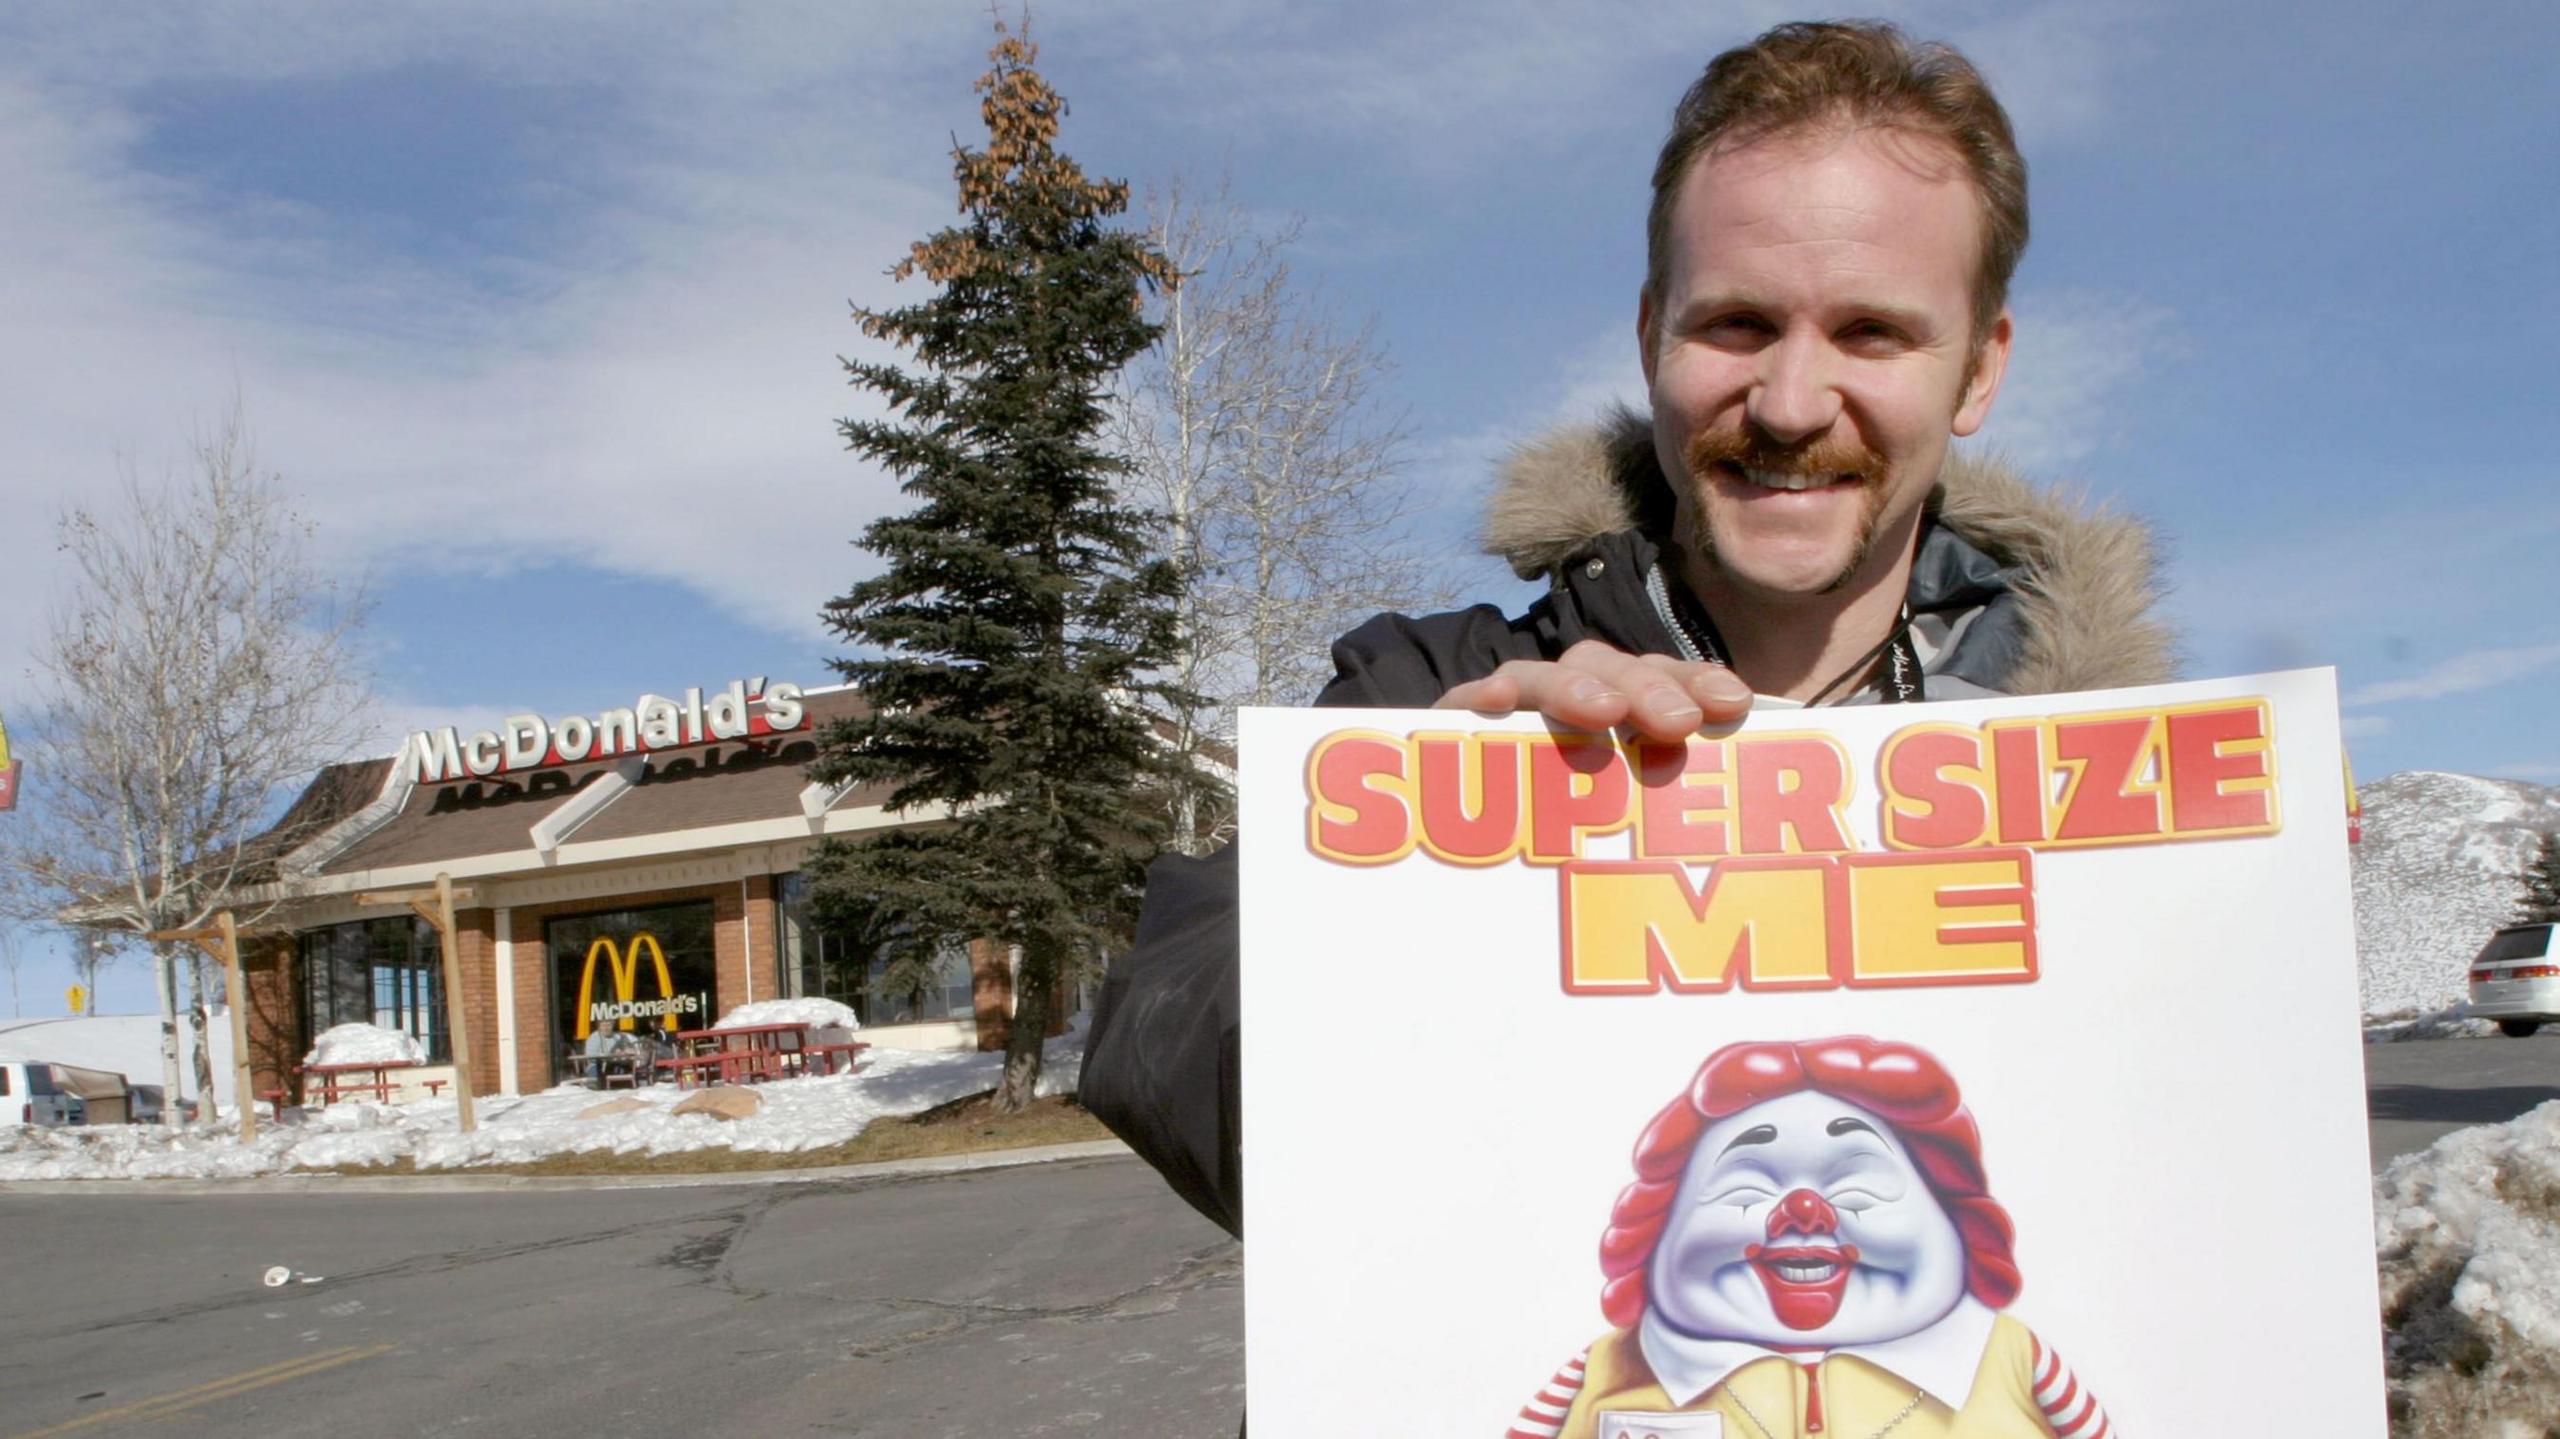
(1788, 479)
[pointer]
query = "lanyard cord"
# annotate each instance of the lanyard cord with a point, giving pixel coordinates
(1900, 683)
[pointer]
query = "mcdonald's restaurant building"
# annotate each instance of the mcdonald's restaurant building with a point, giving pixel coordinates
(639, 867)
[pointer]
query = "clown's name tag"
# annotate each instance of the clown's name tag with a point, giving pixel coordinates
(1635, 1424)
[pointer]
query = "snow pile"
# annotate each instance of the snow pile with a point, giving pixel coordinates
(2440, 867)
(2468, 1235)
(797, 1114)
(128, 1044)
(2443, 1024)
(363, 1044)
(816, 1013)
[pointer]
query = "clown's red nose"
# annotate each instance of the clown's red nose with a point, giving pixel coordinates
(1803, 1212)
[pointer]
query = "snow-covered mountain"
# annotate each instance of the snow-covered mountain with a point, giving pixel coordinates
(2440, 866)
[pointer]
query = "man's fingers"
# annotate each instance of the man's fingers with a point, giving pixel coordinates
(1561, 693)
(1720, 693)
(1595, 687)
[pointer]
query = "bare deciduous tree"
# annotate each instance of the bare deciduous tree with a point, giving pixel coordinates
(197, 669)
(13, 953)
(1257, 429)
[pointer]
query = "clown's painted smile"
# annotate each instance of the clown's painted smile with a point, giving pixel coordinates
(1804, 1281)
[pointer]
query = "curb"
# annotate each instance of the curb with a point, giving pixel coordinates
(464, 1182)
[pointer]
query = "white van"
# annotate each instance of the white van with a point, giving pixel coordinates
(29, 1095)
(2515, 980)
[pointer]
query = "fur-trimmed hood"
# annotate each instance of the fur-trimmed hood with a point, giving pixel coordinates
(2086, 577)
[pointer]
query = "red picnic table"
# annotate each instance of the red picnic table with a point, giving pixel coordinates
(328, 1083)
(752, 1053)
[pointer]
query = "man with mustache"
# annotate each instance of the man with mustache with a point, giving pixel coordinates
(1810, 1247)
(1835, 218)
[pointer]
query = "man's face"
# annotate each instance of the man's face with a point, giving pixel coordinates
(1812, 353)
(1802, 1221)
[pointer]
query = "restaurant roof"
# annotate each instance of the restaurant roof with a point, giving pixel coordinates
(370, 818)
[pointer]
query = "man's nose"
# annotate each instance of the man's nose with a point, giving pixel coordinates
(1802, 1212)
(1794, 398)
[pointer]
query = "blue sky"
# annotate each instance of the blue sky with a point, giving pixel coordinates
(537, 305)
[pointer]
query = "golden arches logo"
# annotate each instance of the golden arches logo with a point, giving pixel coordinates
(622, 963)
(8, 773)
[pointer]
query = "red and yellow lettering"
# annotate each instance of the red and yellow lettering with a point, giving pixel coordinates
(1470, 796)
(2018, 768)
(1792, 791)
(1684, 801)
(1634, 928)
(1360, 808)
(2109, 798)
(1578, 785)
(1920, 919)
(2221, 770)
(1936, 795)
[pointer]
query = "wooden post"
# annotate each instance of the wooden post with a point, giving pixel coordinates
(455, 1024)
(235, 982)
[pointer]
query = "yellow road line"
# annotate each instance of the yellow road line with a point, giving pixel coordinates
(161, 1406)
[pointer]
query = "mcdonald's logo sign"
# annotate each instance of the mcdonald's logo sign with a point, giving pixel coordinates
(627, 1010)
(8, 773)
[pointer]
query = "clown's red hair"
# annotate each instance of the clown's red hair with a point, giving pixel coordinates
(1899, 1083)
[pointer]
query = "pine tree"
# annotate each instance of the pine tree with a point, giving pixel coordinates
(2540, 903)
(1006, 646)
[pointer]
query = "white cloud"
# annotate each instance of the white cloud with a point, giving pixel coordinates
(1424, 86)
(655, 399)
(2077, 356)
(2462, 674)
(2364, 726)
(2053, 65)
(652, 393)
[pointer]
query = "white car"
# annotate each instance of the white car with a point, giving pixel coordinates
(29, 1095)
(2516, 979)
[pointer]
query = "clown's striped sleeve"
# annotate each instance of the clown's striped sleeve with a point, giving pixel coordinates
(2070, 1411)
(1543, 1415)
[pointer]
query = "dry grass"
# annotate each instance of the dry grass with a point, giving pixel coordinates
(964, 1126)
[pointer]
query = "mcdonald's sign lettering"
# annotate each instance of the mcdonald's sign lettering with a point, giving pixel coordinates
(746, 709)
(622, 966)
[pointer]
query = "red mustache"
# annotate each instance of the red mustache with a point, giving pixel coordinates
(1753, 450)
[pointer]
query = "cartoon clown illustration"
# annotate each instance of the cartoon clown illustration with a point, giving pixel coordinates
(1810, 1247)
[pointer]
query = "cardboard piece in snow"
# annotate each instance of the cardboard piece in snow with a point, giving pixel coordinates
(1989, 1068)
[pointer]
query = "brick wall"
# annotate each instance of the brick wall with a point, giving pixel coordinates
(274, 1013)
(475, 947)
(742, 932)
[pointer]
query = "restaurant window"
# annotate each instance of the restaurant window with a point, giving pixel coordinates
(648, 969)
(386, 972)
(839, 967)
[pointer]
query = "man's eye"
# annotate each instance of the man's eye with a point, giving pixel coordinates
(1735, 329)
(1742, 1196)
(1871, 336)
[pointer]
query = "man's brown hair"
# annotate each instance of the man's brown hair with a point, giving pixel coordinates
(1810, 74)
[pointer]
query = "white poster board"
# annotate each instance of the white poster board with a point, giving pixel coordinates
(1997, 1067)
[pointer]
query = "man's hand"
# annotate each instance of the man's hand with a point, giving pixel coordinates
(1593, 686)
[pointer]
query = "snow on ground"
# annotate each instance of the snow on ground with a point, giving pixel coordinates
(2468, 1235)
(2451, 1023)
(813, 1012)
(127, 1044)
(797, 1114)
(360, 1043)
